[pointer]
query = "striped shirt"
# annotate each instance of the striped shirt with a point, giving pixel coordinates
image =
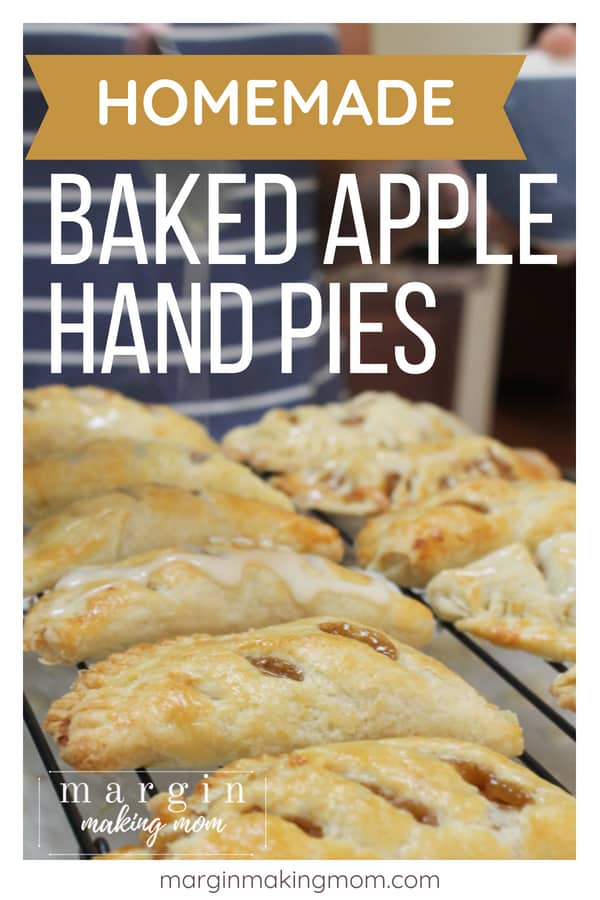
(219, 400)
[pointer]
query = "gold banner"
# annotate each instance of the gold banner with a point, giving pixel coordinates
(276, 107)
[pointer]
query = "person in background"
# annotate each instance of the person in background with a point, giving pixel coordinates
(558, 40)
(220, 400)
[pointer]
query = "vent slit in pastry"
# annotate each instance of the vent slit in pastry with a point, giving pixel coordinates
(197, 457)
(353, 420)
(466, 504)
(279, 668)
(310, 828)
(377, 641)
(417, 810)
(496, 791)
(391, 482)
(127, 491)
(306, 826)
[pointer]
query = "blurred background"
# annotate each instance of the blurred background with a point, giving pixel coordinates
(505, 335)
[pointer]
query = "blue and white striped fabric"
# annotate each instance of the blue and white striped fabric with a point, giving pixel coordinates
(220, 401)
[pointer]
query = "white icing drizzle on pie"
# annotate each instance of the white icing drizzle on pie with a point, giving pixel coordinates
(305, 575)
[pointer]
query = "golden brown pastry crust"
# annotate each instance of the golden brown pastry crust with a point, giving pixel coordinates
(505, 598)
(404, 798)
(564, 689)
(459, 525)
(287, 439)
(101, 466)
(112, 526)
(59, 419)
(366, 481)
(96, 611)
(202, 701)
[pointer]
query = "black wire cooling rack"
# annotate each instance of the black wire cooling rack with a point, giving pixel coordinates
(531, 696)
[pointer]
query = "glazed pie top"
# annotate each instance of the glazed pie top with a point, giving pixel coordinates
(59, 419)
(97, 610)
(366, 481)
(98, 467)
(514, 597)
(112, 526)
(203, 701)
(461, 524)
(287, 439)
(403, 798)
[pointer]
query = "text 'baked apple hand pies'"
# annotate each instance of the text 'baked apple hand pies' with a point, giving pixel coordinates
(461, 524)
(102, 466)
(113, 526)
(59, 419)
(402, 798)
(96, 611)
(203, 701)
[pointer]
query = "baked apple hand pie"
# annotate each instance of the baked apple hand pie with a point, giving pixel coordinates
(461, 524)
(364, 481)
(286, 439)
(563, 687)
(515, 598)
(401, 798)
(101, 466)
(59, 419)
(96, 611)
(109, 527)
(202, 701)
